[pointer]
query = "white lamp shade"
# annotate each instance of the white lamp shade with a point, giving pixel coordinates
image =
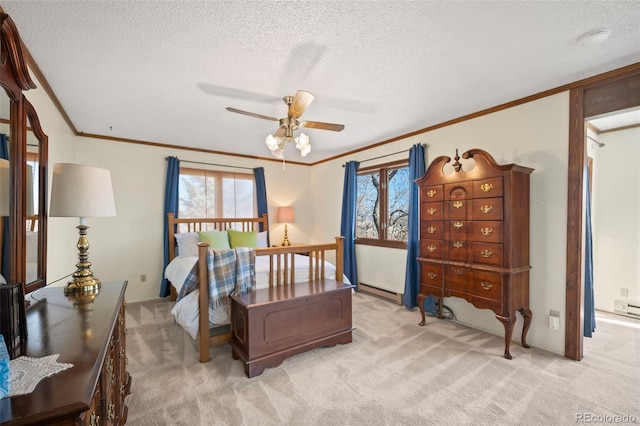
(81, 191)
(4, 187)
(285, 215)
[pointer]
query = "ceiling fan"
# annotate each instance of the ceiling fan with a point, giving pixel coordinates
(289, 124)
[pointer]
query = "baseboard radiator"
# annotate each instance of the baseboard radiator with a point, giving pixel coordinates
(627, 308)
(383, 294)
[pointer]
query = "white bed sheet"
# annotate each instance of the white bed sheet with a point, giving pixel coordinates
(185, 311)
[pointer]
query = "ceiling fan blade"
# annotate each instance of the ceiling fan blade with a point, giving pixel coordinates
(322, 126)
(280, 132)
(300, 102)
(251, 114)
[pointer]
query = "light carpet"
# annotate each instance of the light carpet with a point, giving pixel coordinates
(393, 373)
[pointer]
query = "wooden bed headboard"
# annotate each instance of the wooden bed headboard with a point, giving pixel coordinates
(181, 225)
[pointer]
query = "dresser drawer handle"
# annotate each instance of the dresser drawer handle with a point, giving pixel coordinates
(486, 231)
(431, 229)
(431, 275)
(431, 248)
(486, 285)
(486, 253)
(431, 193)
(457, 225)
(431, 211)
(458, 272)
(93, 419)
(458, 204)
(458, 244)
(486, 187)
(486, 208)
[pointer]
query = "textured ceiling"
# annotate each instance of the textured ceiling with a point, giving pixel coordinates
(165, 71)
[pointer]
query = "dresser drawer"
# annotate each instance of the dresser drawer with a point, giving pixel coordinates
(431, 193)
(457, 209)
(432, 211)
(431, 274)
(432, 229)
(458, 280)
(487, 209)
(457, 191)
(488, 231)
(457, 230)
(487, 253)
(431, 249)
(486, 285)
(486, 188)
(457, 250)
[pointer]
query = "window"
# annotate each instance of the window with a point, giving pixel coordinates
(209, 194)
(382, 211)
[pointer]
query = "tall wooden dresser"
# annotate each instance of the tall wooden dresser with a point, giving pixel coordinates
(474, 237)
(91, 335)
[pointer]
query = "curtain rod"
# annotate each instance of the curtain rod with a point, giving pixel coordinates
(214, 164)
(425, 145)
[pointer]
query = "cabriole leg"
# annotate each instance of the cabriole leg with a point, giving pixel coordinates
(508, 323)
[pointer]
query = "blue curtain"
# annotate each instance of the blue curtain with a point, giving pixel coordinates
(348, 221)
(417, 168)
(4, 154)
(261, 193)
(170, 206)
(589, 299)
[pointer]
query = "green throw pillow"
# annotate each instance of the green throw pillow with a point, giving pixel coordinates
(217, 240)
(243, 239)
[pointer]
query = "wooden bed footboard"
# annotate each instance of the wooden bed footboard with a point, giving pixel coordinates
(282, 264)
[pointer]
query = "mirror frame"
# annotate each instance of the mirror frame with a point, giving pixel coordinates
(33, 122)
(14, 79)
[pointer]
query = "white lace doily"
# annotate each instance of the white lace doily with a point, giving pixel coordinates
(26, 372)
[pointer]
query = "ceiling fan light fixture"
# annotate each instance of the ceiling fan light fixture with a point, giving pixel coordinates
(276, 146)
(303, 144)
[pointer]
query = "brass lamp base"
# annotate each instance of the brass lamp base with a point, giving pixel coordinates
(84, 283)
(83, 286)
(285, 242)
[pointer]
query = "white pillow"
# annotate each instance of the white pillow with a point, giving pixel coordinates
(187, 244)
(262, 240)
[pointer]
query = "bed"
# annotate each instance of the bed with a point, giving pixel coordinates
(286, 278)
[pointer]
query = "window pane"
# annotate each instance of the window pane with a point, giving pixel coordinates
(245, 198)
(398, 204)
(193, 198)
(368, 203)
(206, 193)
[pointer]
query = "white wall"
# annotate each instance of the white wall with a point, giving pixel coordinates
(533, 135)
(616, 209)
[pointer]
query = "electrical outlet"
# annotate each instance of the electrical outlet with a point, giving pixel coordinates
(554, 319)
(624, 292)
(143, 278)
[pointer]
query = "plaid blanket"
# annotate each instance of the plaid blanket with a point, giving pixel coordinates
(230, 271)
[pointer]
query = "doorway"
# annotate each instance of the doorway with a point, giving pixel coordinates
(617, 90)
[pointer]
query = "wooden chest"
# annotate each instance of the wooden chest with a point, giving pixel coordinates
(474, 237)
(272, 324)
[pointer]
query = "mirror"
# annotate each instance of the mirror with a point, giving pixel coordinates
(5, 130)
(35, 193)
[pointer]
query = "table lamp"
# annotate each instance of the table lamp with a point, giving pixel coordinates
(285, 215)
(82, 191)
